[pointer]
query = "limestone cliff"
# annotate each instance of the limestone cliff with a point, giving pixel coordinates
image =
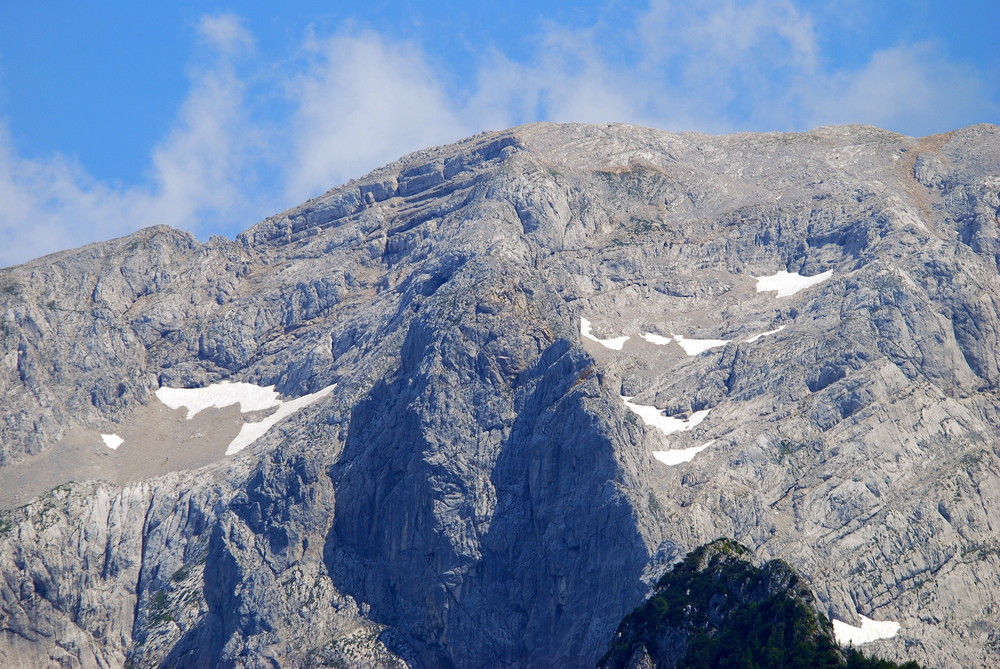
(536, 367)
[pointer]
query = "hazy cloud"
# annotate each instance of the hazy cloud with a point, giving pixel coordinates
(225, 33)
(573, 81)
(198, 169)
(718, 37)
(706, 66)
(47, 205)
(726, 65)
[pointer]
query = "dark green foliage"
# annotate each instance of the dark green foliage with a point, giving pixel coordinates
(787, 448)
(716, 609)
(158, 608)
(779, 632)
(855, 660)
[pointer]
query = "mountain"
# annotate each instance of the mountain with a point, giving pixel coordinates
(467, 410)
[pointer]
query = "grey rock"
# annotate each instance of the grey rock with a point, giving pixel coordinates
(474, 492)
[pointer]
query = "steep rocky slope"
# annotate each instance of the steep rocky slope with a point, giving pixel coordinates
(468, 486)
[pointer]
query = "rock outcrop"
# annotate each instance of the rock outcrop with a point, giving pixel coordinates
(716, 608)
(474, 491)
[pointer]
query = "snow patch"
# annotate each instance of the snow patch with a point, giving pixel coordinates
(616, 344)
(789, 283)
(764, 334)
(112, 441)
(250, 398)
(219, 395)
(655, 338)
(666, 424)
(696, 346)
(870, 630)
(681, 455)
(251, 432)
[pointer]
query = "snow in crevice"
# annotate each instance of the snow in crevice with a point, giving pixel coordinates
(251, 432)
(764, 334)
(615, 344)
(655, 338)
(695, 346)
(249, 397)
(870, 630)
(112, 441)
(654, 417)
(789, 283)
(680, 455)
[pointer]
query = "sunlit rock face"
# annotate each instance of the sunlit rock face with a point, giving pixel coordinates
(432, 460)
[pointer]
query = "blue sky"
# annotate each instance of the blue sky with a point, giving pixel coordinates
(211, 116)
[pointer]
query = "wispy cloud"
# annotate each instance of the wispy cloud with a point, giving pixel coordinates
(363, 101)
(727, 65)
(910, 88)
(194, 179)
(199, 168)
(354, 99)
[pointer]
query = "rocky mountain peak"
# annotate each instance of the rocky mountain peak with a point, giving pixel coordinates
(466, 410)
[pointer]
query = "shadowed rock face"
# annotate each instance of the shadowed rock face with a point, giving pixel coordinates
(475, 492)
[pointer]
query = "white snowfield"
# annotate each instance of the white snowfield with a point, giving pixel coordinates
(655, 338)
(616, 344)
(681, 455)
(223, 394)
(112, 441)
(870, 630)
(789, 283)
(250, 398)
(666, 424)
(695, 346)
(764, 334)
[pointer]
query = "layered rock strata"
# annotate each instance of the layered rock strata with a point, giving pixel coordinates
(470, 489)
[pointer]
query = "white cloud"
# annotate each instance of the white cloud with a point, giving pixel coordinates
(758, 65)
(724, 66)
(573, 81)
(198, 168)
(909, 88)
(363, 102)
(226, 33)
(35, 211)
(356, 99)
(194, 179)
(725, 36)
(705, 66)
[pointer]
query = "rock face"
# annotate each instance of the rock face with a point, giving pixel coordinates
(474, 491)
